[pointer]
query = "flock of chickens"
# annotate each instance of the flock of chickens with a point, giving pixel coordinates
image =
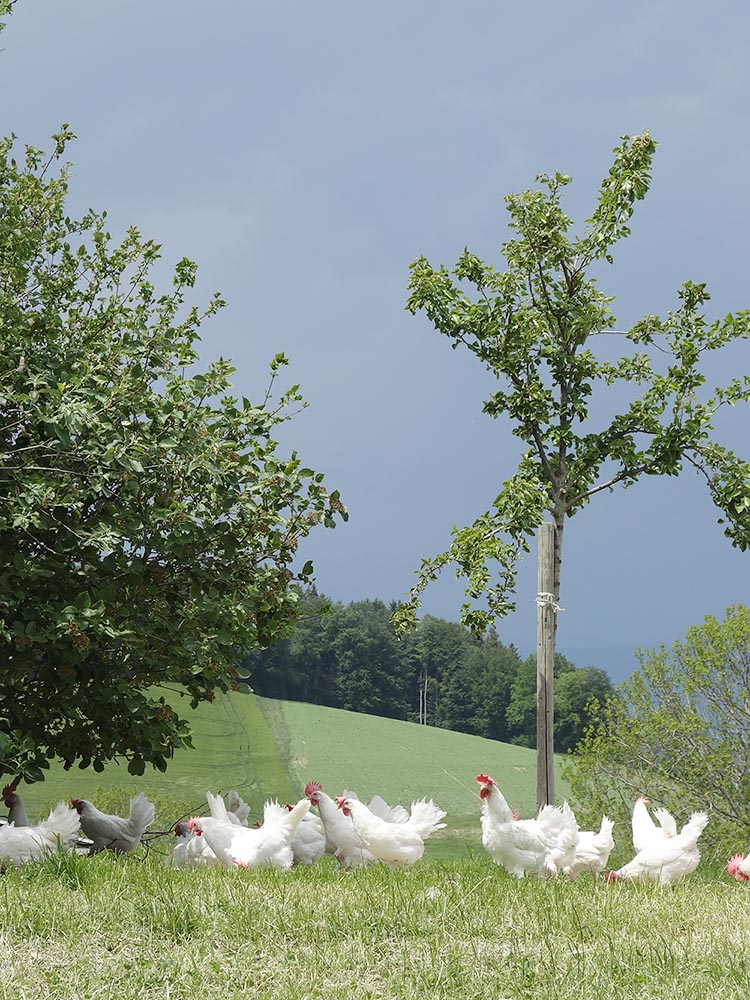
(552, 843)
(359, 834)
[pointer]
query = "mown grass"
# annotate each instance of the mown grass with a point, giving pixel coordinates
(105, 926)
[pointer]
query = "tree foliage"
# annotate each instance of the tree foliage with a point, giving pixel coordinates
(6, 7)
(148, 526)
(533, 326)
(679, 732)
(349, 656)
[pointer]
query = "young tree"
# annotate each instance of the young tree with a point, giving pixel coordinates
(679, 732)
(533, 326)
(148, 527)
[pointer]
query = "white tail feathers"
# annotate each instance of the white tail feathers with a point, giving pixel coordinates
(666, 821)
(237, 805)
(696, 824)
(217, 808)
(294, 817)
(556, 818)
(391, 814)
(287, 820)
(142, 814)
(607, 826)
(273, 812)
(61, 823)
(425, 817)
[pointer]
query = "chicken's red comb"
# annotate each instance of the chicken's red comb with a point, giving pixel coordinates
(8, 790)
(485, 779)
(313, 786)
(611, 877)
(340, 800)
(733, 867)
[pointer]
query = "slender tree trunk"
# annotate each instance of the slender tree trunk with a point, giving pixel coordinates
(545, 694)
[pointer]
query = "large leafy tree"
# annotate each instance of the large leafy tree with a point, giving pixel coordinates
(678, 731)
(534, 326)
(148, 526)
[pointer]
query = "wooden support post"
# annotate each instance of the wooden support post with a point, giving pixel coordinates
(545, 665)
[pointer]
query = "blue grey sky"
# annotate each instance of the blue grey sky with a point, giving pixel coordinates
(304, 154)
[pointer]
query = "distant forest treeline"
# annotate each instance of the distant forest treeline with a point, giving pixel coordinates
(348, 656)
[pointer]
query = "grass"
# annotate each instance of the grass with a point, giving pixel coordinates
(453, 926)
(98, 927)
(268, 748)
(399, 760)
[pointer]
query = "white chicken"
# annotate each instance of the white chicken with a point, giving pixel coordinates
(309, 842)
(666, 859)
(190, 851)
(395, 843)
(592, 850)
(28, 843)
(645, 831)
(247, 847)
(16, 809)
(545, 845)
(342, 840)
(115, 833)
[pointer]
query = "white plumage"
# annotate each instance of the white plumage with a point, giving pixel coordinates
(246, 847)
(545, 845)
(645, 830)
(342, 839)
(29, 843)
(592, 850)
(666, 859)
(399, 842)
(189, 850)
(238, 807)
(309, 842)
(15, 805)
(115, 833)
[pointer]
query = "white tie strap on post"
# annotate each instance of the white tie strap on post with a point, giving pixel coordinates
(544, 599)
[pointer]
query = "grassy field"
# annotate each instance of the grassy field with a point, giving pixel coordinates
(455, 925)
(101, 927)
(270, 748)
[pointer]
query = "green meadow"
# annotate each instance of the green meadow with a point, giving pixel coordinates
(81, 928)
(454, 926)
(267, 748)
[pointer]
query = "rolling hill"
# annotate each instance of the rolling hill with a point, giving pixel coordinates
(267, 748)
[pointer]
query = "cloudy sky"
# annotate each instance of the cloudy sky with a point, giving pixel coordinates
(304, 154)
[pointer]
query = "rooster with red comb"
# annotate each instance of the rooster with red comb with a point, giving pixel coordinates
(545, 845)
